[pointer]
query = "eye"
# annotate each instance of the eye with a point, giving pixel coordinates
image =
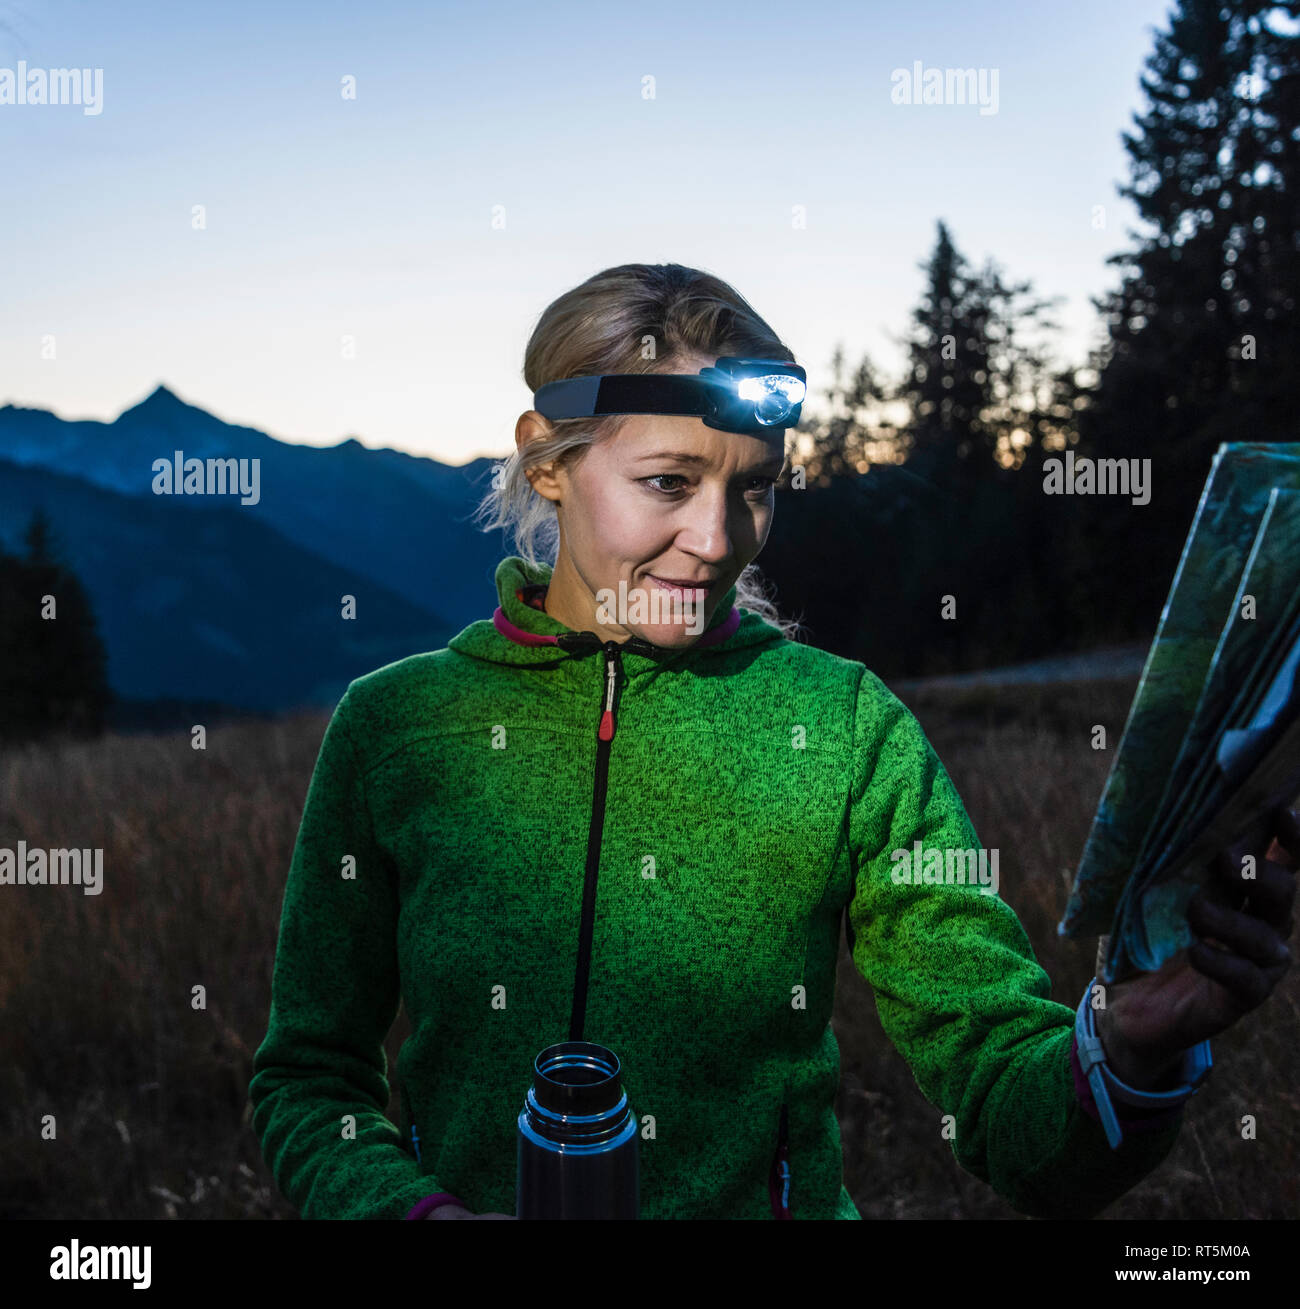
(659, 477)
(767, 484)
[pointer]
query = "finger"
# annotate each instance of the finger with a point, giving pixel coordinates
(1226, 886)
(1271, 896)
(1243, 933)
(1286, 831)
(1245, 982)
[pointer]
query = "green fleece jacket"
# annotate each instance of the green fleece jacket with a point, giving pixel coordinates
(529, 837)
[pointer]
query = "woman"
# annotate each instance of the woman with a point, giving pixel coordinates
(647, 837)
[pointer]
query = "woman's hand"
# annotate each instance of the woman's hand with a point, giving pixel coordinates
(1239, 957)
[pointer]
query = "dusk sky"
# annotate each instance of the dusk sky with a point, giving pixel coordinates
(327, 217)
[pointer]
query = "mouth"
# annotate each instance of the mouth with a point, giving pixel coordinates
(683, 586)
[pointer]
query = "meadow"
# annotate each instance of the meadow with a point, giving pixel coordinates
(149, 1094)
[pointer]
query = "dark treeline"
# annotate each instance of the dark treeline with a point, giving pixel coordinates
(1198, 347)
(53, 666)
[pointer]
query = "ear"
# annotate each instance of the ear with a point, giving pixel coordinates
(532, 426)
(543, 478)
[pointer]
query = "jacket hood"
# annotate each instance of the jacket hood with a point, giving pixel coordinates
(518, 633)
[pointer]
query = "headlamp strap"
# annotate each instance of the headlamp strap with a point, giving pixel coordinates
(625, 393)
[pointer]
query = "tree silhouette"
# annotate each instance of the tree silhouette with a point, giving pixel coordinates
(855, 435)
(53, 670)
(947, 499)
(975, 389)
(1202, 331)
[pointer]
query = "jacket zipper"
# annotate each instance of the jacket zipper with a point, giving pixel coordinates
(604, 735)
(779, 1177)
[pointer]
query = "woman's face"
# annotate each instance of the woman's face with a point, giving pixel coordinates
(632, 511)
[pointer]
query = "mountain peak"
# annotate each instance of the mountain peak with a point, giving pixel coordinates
(162, 395)
(161, 404)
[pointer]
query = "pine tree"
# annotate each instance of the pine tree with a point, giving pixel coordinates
(947, 387)
(980, 397)
(53, 671)
(975, 388)
(1202, 331)
(854, 434)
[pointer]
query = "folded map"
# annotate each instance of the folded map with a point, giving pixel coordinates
(1212, 740)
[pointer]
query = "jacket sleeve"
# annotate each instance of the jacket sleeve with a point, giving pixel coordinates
(319, 1089)
(959, 991)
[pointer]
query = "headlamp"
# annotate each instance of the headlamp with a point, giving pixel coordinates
(750, 396)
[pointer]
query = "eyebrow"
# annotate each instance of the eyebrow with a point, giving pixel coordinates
(774, 461)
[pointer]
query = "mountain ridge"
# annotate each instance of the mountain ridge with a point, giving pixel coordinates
(202, 597)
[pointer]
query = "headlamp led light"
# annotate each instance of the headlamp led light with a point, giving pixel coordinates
(749, 396)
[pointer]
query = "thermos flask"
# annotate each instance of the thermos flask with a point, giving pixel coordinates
(577, 1155)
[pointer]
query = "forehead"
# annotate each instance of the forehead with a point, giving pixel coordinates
(651, 438)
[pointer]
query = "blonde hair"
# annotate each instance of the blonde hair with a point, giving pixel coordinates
(602, 326)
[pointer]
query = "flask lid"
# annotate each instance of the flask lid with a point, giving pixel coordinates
(577, 1077)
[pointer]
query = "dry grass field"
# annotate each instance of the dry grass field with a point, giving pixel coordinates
(149, 1094)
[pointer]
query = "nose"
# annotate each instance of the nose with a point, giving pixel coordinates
(708, 531)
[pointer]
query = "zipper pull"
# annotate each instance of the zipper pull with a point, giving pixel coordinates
(415, 1138)
(606, 730)
(779, 1180)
